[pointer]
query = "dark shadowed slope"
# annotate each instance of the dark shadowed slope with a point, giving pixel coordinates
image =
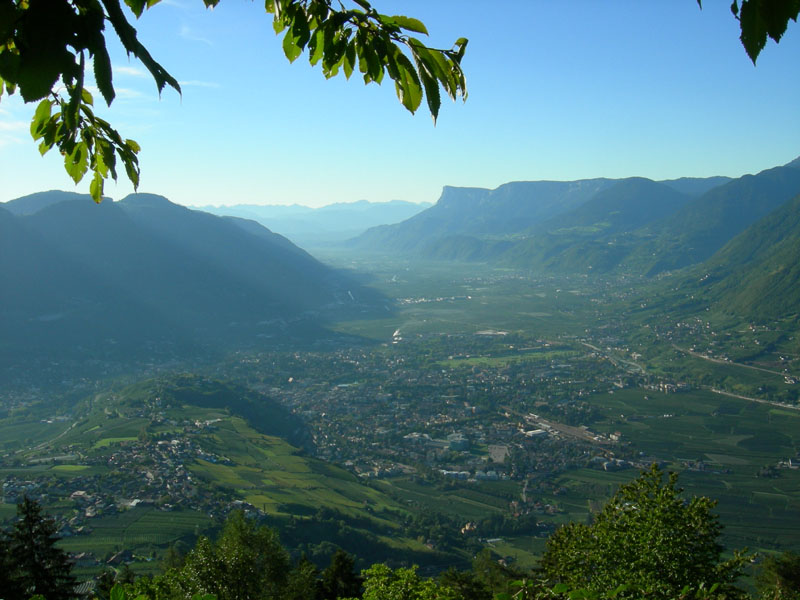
(147, 276)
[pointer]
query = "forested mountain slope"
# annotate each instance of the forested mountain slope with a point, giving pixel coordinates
(146, 275)
(757, 274)
(703, 226)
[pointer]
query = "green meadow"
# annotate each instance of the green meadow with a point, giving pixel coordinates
(734, 439)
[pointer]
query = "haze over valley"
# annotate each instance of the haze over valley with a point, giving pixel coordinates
(470, 376)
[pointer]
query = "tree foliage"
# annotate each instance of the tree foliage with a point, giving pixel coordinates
(339, 579)
(384, 583)
(246, 562)
(647, 538)
(779, 577)
(30, 562)
(44, 45)
(759, 19)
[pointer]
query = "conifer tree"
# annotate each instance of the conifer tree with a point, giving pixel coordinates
(37, 566)
(339, 579)
(8, 584)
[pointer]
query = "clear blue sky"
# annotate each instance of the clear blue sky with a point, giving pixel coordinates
(558, 90)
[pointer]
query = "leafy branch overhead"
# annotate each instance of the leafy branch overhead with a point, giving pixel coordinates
(761, 18)
(44, 46)
(375, 44)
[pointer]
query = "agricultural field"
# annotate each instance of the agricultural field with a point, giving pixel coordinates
(271, 475)
(147, 531)
(139, 474)
(733, 450)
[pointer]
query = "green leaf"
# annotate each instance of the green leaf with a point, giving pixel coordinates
(290, 47)
(407, 84)
(560, 588)
(754, 30)
(127, 35)
(104, 154)
(77, 162)
(138, 6)
(375, 59)
(131, 169)
(759, 19)
(296, 37)
(461, 47)
(278, 25)
(410, 24)
(86, 97)
(96, 190)
(301, 30)
(316, 47)
(117, 592)
(776, 15)
(102, 73)
(349, 59)
(432, 96)
(40, 118)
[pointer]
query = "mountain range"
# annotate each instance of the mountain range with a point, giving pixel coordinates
(632, 225)
(314, 227)
(146, 276)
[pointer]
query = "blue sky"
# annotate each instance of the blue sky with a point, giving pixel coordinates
(557, 90)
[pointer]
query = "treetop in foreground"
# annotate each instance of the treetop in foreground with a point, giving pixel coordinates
(647, 538)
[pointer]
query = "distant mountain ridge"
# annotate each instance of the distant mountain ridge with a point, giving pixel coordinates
(146, 276)
(312, 227)
(509, 209)
(632, 225)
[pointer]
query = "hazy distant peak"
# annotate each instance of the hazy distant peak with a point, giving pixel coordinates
(452, 196)
(144, 199)
(33, 203)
